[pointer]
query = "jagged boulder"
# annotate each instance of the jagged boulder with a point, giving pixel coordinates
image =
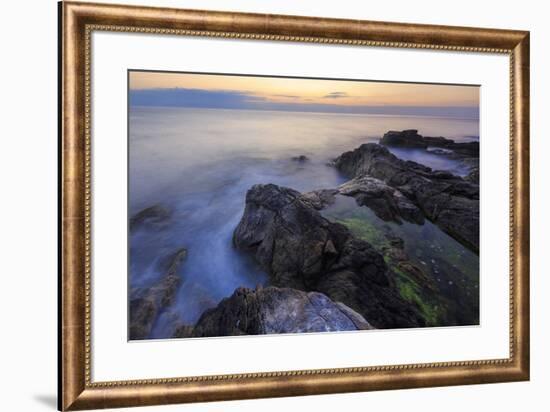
(386, 202)
(301, 249)
(146, 303)
(274, 310)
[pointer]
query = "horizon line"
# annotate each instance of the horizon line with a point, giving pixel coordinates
(347, 113)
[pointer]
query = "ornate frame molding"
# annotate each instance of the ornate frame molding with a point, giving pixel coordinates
(79, 20)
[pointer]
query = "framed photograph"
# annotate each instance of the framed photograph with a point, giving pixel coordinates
(264, 205)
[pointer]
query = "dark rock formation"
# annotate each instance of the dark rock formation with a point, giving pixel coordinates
(387, 202)
(146, 303)
(300, 249)
(150, 216)
(405, 138)
(466, 149)
(184, 331)
(473, 176)
(473, 164)
(300, 159)
(447, 200)
(274, 310)
(411, 138)
(320, 199)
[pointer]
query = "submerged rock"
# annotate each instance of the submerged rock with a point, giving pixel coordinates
(300, 249)
(449, 201)
(153, 215)
(274, 310)
(146, 303)
(447, 302)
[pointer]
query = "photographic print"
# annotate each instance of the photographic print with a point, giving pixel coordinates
(267, 205)
(231, 205)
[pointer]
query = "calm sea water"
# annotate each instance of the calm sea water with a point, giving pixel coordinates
(200, 162)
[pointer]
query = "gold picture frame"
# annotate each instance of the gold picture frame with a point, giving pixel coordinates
(79, 20)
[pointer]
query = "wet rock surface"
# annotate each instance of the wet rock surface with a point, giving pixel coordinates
(410, 138)
(300, 249)
(442, 302)
(147, 303)
(388, 203)
(430, 270)
(473, 165)
(449, 201)
(405, 138)
(274, 310)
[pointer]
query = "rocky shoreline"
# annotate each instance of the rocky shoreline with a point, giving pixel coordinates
(147, 303)
(330, 275)
(301, 249)
(466, 152)
(449, 201)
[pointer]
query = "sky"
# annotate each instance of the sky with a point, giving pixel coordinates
(304, 95)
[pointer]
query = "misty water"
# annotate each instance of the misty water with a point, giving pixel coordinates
(199, 163)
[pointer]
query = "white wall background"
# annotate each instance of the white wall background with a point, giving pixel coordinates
(28, 226)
